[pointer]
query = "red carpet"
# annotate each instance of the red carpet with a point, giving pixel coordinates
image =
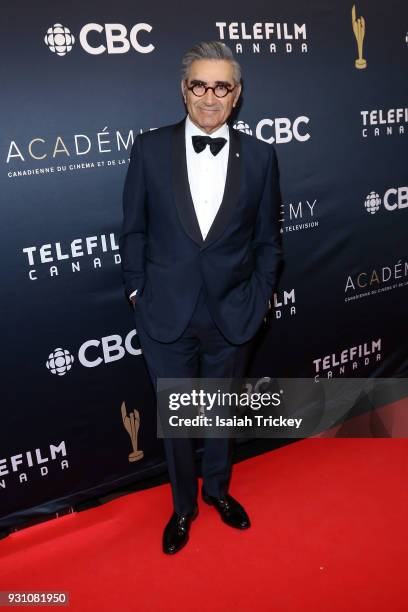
(330, 533)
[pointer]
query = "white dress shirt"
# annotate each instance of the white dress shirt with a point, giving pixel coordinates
(206, 175)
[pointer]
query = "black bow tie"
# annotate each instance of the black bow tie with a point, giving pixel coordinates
(200, 142)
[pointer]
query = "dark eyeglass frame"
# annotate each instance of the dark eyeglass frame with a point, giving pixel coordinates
(207, 87)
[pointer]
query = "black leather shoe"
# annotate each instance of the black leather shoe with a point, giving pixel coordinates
(229, 509)
(175, 534)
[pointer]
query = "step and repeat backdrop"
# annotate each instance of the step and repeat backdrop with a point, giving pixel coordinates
(324, 81)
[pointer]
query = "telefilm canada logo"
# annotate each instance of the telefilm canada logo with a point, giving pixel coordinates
(349, 360)
(54, 259)
(263, 37)
(383, 122)
(93, 353)
(279, 130)
(394, 198)
(42, 461)
(96, 39)
(284, 303)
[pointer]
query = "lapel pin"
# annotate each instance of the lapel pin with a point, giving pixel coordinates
(237, 154)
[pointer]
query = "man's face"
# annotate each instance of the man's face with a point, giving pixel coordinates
(210, 112)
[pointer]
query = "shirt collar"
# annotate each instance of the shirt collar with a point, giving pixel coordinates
(192, 130)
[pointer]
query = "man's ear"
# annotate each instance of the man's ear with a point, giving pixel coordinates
(237, 94)
(183, 90)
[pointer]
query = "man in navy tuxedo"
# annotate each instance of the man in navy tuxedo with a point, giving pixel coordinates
(200, 247)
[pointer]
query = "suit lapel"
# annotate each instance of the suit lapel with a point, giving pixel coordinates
(181, 186)
(231, 191)
(182, 192)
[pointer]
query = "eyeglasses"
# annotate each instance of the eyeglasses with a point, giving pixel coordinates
(220, 90)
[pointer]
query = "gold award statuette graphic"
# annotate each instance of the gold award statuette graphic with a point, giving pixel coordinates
(131, 423)
(359, 28)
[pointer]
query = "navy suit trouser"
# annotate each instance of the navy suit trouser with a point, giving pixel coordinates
(200, 352)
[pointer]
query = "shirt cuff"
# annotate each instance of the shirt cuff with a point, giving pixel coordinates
(133, 293)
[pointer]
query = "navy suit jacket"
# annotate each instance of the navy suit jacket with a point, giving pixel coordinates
(162, 250)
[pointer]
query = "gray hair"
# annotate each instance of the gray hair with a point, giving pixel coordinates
(214, 50)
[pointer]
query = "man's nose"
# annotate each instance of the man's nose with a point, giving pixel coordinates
(210, 96)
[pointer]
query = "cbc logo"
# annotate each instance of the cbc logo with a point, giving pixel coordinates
(394, 198)
(279, 130)
(93, 353)
(60, 361)
(95, 38)
(241, 126)
(59, 39)
(372, 202)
